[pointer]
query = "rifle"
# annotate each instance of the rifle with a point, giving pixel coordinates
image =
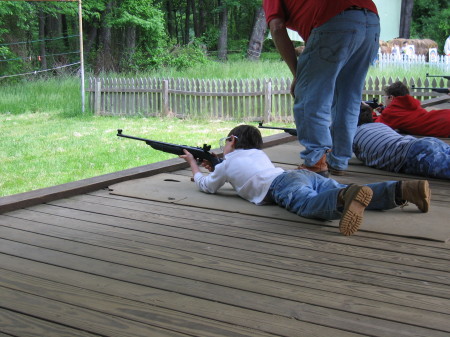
(373, 103)
(292, 132)
(440, 90)
(199, 153)
(447, 77)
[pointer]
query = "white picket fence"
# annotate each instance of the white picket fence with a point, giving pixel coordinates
(441, 62)
(247, 100)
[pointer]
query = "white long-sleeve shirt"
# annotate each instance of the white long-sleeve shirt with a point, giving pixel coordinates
(250, 172)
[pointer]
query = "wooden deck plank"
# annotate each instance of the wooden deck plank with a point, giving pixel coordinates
(356, 269)
(238, 316)
(119, 307)
(13, 324)
(217, 257)
(283, 227)
(77, 317)
(391, 240)
(248, 293)
(280, 244)
(118, 257)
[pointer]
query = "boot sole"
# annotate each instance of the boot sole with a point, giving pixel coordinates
(356, 200)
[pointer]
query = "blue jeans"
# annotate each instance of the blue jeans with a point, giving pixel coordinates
(312, 196)
(429, 157)
(329, 83)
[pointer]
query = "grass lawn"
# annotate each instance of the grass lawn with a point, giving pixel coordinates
(46, 149)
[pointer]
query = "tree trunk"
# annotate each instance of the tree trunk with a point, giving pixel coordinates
(65, 31)
(202, 16)
(257, 39)
(42, 57)
(187, 22)
(170, 19)
(223, 37)
(104, 58)
(405, 18)
(91, 39)
(130, 46)
(195, 19)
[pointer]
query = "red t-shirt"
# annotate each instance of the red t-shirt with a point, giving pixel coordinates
(304, 15)
(407, 115)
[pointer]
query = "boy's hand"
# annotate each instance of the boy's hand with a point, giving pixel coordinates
(188, 156)
(191, 161)
(207, 164)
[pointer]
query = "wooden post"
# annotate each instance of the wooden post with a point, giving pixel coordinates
(80, 19)
(97, 97)
(267, 101)
(165, 98)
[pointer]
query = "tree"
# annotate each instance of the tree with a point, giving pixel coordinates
(257, 39)
(430, 19)
(405, 19)
(223, 37)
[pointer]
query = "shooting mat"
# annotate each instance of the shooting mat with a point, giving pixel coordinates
(179, 189)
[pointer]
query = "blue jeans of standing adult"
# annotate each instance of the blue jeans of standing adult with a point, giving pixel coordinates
(312, 196)
(329, 83)
(429, 157)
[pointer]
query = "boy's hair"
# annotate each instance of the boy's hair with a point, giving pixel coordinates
(396, 89)
(365, 114)
(248, 137)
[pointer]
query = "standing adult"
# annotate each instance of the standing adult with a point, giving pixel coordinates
(342, 39)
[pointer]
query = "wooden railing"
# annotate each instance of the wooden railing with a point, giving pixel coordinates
(247, 100)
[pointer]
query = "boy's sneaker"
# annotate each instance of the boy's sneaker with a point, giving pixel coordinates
(355, 199)
(418, 192)
(320, 167)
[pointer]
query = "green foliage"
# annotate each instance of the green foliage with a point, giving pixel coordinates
(430, 20)
(210, 38)
(185, 56)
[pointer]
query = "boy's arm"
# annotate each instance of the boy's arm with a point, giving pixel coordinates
(209, 183)
(191, 161)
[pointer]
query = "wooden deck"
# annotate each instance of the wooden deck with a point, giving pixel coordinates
(78, 261)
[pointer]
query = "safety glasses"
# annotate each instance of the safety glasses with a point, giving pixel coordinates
(224, 140)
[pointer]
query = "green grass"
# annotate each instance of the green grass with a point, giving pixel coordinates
(47, 149)
(60, 95)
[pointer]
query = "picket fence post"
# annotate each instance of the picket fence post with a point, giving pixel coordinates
(97, 97)
(165, 98)
(267, 100)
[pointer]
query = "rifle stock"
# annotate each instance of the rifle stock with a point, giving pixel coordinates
(199, 153)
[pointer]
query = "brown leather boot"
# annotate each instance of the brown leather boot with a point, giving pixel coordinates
(320, 167)
(418, 192)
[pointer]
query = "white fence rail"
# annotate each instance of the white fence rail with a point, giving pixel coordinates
(441, 62)
(247, 100)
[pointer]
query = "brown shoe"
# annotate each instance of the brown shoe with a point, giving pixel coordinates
(320, 167)
(418, 192)
(335, 172)
(355, 199)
